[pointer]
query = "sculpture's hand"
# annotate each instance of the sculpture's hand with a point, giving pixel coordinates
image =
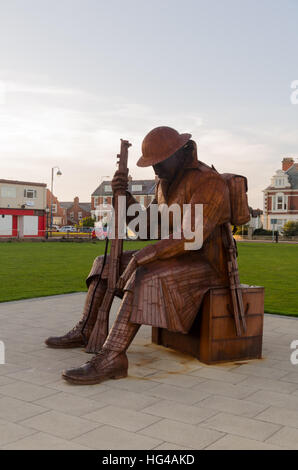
(120, 181)
(130, 268)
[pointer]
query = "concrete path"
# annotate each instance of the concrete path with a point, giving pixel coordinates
(169, 401)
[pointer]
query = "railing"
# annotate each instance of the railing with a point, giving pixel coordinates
(48, 234)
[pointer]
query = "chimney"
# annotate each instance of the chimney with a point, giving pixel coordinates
(76, 200)
(287, 163)
(129, 178)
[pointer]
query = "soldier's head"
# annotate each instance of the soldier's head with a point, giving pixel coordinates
(166, 150)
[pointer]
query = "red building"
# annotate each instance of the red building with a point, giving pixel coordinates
(281, 197)
(22, 209)
(58, 212)
(76, 210)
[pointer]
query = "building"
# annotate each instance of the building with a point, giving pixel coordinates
(58, 212)
(22, 209)
(281, 197)
(142, 190)
(76, 210)
(256, 218)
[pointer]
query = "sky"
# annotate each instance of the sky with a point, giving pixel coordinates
(78, 75)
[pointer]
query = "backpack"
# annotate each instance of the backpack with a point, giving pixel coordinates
(237, 185)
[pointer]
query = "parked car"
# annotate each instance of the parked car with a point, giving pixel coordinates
(67, 228)
(86, 229)
(55, 228)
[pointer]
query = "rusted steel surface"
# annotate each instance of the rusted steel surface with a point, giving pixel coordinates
(99, 332)
(212, 337)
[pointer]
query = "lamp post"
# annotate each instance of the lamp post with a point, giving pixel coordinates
(47, 225)
(59, 173)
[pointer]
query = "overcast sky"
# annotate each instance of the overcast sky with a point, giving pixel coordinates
(78, 75)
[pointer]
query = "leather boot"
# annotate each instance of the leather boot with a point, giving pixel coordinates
(111, 362)
(105, 365)
(79, 335)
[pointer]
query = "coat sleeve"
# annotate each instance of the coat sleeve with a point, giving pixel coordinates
(211, 192)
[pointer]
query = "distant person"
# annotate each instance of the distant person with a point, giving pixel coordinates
(276, 236)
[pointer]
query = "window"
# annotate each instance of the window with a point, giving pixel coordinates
(108, 188)
(136, 187)
(8, 191)
(279, 203)
(95, 200)
(105, 200)
(71, 215)
(30, 193)
(54, 208)
(80, 215)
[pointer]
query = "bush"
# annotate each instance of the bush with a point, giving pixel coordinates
(88, 222)
(262, 231)
(290, 229)
(241, 230)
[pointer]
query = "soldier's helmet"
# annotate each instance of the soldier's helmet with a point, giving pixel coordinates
(159, 144)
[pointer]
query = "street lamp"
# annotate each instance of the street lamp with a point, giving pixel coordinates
(47, 224)
(59, 173)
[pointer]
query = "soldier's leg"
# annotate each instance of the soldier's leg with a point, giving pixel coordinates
(111, 362)
(76, 337)
(79, 335)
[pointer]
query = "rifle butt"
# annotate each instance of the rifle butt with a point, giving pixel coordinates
(101, 328)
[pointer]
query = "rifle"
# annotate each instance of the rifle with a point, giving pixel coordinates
(235, 287)
(99, 334)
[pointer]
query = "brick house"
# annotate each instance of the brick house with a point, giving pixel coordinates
(281, 197)
(256, 218)
(22, 209)
(76, 210)
(142, 190)
(59, 212)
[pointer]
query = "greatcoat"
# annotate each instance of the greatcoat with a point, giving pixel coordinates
(169, 284)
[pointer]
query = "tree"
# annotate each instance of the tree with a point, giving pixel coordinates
(88, 222)
(290, 228)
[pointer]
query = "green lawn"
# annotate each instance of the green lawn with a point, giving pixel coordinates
(36, 269)
(274, 266)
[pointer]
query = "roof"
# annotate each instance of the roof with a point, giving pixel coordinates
(255, 212)
(293, 176)
(292, 172)
(86, 206)
(28, 183)
(66, 205)
(148, 187)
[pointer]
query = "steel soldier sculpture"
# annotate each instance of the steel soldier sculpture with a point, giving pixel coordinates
(162, 284)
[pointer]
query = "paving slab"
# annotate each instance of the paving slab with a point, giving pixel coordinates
(168, 401)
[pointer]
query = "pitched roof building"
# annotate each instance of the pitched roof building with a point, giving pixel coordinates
(281, 196)
(76, 210)
(58, 211)
(142, 190)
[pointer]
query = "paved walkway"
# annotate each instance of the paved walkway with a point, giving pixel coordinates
(169, 401)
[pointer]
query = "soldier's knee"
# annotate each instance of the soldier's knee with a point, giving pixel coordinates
(100, 259)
